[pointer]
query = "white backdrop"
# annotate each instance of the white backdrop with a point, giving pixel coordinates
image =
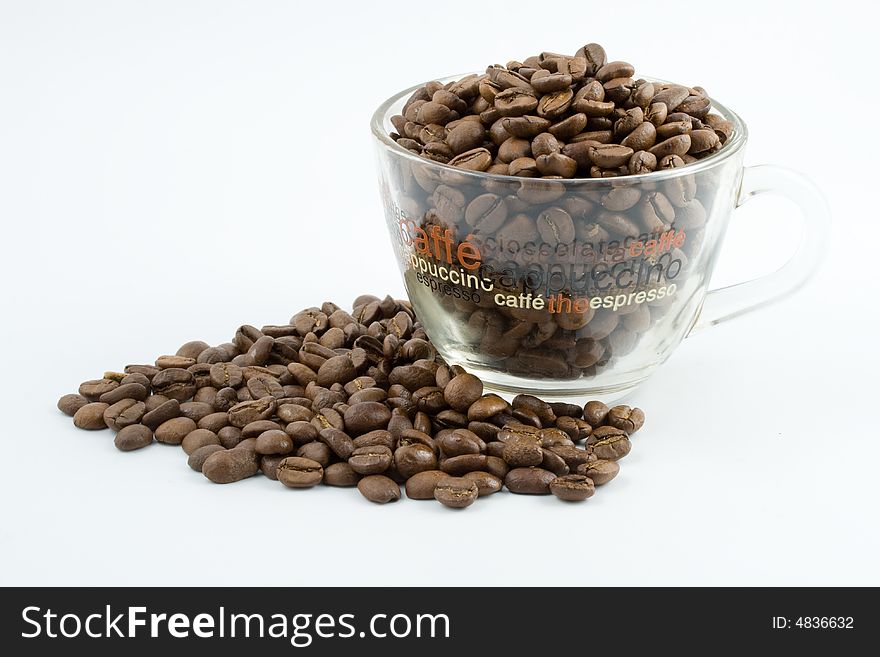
(170, 170)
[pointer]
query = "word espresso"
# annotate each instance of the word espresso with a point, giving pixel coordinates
(359, 399)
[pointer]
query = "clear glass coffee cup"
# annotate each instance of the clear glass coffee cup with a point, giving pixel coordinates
(577, 287)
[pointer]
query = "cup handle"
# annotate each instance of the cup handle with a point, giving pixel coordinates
(728, 302)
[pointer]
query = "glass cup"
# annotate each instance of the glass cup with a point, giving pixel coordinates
(574, 287)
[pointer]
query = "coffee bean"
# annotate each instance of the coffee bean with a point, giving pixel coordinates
(91, 416)
(573, 487)
(174, 383)
(460, 465)
(553, 462)
(529, 481)
(197, 459)
(250, 411)
(133, 436)
(165, 411)
(123, 413)
(626, 419)
(369, 460)
(192, 349)
(485, 407)
(413, 458)
(338, 441)
(595, 413)
(366, 416)
(231, 465)
(70, 404)
(456, 492)
(341, 474)
(274, 441)
(297, 472)
(173, 431)
(601, 471)
(182, 362)
(609, 443)
(379, 489)
(522, 453)
(487, 483)
(460, 441)
(421, 485)
(198, 438)
(195, 411)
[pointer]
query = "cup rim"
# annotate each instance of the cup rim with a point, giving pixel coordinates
(730, 149)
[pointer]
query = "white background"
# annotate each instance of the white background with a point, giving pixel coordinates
(170, 170)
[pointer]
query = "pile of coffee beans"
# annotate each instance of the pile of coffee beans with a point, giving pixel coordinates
(356, 398)
(561, 116)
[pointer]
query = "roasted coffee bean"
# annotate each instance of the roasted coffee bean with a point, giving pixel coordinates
(257, 427)
(459, 465)
(182, 362)
(542, 409)
(249, 411)
(626, 419)
(197, 459)
(274, 441)
(338, 441)
(165, 411)
(91, 416)
(601, 471)
(413, 458)
(269, 465)
(529, 481)
(192, 349)
(460, 441)
(573, 456)
(196, 410)
(173, 431)
(487, 483)
(486, 407)
(198, 438)
(379, 488)
(340, 474)
(609, 443)
(370, 460)
(231, 465)
(573, 487)
(134, 436)
(230, 437)
(316, 452)
(378, 437)
(92, 390)
(522, 453)
(595, 413)
(421, 485)
(297, 472)
(213, 422)
(554, 463)
(456, 492)
(365, 417)
(70, 404)
(123, 413)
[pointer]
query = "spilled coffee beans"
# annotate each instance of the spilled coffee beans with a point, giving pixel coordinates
(360, 399)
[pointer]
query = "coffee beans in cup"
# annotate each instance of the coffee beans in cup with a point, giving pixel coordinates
(560, 116)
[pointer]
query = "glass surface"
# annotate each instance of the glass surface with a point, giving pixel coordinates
(557, 286)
